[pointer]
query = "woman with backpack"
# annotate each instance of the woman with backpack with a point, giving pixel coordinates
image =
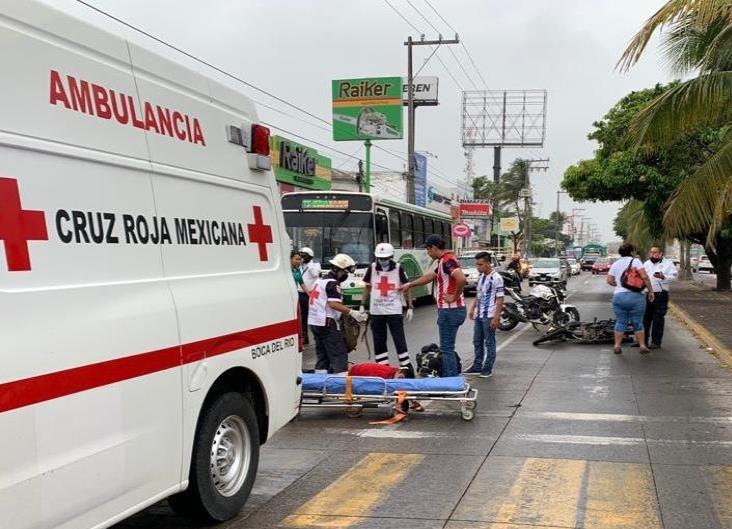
(630, 279)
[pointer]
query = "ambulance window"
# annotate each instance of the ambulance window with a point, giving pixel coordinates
(428, 227)
(382, 227)
(396, 234)
(418, 231)
(407, 224)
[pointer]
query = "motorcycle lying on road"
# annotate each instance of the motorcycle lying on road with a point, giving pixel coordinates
(583, 332)
(544, 306)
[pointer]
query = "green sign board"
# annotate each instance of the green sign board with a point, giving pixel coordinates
(367, 109)
(298, 165)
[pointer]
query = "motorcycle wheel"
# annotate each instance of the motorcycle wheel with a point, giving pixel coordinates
(507, 321)
(559, 335)
(563, 317)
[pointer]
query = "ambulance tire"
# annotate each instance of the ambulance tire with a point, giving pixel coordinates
(229, 423)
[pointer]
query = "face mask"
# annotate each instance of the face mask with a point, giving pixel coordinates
(341, 275)
(384, 263)
(655, 260)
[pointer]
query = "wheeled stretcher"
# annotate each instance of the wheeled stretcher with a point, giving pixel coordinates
(356, 392)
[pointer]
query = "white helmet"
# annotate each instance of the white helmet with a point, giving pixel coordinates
(383, 250)
(343, 261)
(542, 291)
(308, 251)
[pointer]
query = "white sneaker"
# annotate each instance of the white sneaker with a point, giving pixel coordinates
(488, 374)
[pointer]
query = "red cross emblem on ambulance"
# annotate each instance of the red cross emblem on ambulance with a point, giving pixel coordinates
(260, 233)
(18, 226)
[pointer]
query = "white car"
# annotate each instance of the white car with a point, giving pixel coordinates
(704, 265)
(574, 265)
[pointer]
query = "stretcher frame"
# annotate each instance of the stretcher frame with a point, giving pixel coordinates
(467, 399)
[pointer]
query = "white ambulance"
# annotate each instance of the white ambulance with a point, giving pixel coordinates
(148, 324)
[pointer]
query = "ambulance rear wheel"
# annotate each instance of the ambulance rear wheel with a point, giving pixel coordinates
(224, 462)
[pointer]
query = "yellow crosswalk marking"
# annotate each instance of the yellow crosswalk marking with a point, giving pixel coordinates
(355, 493)
(620, 496)
(719, 484)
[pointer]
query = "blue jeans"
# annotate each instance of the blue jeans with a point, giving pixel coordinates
(484, 341)
(629, 308)
(448, 323)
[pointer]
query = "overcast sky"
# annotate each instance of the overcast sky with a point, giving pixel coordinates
(293, 49)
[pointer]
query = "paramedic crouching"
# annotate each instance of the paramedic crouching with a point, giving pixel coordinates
(325, 310)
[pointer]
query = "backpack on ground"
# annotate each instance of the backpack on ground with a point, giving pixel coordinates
(429, 361)
(631, 278)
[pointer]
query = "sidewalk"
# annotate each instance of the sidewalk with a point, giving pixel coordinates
(707, 313)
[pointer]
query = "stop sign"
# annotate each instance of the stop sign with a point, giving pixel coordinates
(461, 230)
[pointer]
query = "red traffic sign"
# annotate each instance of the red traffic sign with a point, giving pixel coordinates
(461, 230)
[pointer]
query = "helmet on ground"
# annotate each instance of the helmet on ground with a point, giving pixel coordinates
(542, 291)
(343, 261)
(383, 250)
(307, 251)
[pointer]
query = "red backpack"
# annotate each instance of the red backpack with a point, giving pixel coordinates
(631, 278)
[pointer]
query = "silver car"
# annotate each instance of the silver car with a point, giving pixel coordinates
(547, 270)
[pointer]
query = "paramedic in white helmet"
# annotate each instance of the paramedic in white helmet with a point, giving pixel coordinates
(310, 270)
(386, 304)
(325, 311)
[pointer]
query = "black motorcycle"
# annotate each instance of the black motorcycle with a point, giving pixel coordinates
(583, 332)
(547, 309)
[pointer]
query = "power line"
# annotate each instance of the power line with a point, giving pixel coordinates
(470, 57)
(208, 64)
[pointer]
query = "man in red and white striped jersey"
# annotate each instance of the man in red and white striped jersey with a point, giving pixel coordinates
(451, 311)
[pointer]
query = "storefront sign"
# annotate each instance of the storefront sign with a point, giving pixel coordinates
(420, 180)
(510, 224)
(367, 109)
(461, 230)
(298, 165)
(474, 209)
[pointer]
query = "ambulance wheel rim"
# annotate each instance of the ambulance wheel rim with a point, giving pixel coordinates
(230, 457)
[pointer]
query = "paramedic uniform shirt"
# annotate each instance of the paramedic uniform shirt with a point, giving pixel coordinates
(385, 297)
(446, 283)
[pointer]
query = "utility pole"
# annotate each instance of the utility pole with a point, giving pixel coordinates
(411, 106)
(528, 200)
(556, 231)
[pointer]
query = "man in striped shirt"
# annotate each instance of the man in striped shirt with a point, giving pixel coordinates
(486, 311)
(451, 311)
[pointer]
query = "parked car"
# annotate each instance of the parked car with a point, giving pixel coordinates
(547, 270)
(601, 266)
(574, 266)
(704, 265)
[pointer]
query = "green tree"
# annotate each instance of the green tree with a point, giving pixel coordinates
(697, 42)
(647, 179)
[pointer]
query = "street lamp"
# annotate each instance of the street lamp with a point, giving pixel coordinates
(556, 231)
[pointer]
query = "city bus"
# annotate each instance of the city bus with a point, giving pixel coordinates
(353, 223)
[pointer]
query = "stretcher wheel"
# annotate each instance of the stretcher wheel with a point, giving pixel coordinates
(470, 404)
(467, 414)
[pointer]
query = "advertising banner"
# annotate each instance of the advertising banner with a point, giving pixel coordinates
(367, 109)
(299, 165)
(420, 180)
(510, 224)
(425, 90)
(438, 199)
(475, 209)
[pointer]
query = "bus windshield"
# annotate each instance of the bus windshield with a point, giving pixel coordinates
(329, 233)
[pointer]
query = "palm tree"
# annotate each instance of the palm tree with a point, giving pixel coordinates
(697, 42)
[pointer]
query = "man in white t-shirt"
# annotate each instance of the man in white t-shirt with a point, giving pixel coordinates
(661, 272)
(310, 270)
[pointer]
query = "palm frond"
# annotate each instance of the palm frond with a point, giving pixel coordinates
(685, 46)
(703, 201)
(700, 102)
(695, 13)
(718, 54)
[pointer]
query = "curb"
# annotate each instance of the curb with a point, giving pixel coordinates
(713, 345)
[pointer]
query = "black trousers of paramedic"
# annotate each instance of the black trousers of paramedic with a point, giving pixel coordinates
(304, 300)
(395, 323)
(330, 347)
(654, 318)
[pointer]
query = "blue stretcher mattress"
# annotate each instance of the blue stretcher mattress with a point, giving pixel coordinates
(332, 384)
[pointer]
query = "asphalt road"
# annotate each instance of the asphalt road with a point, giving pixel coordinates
(565, 436)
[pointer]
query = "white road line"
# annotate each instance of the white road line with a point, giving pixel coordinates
(619, 417)
(597, 440)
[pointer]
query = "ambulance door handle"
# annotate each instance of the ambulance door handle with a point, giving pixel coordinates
(198, 376)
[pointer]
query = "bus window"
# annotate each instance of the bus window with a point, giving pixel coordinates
(407, 225)
(396, 234)
(429, 228)
(382, 226)
(418, 231)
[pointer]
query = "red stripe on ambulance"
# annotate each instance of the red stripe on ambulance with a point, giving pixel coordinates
(28, 391)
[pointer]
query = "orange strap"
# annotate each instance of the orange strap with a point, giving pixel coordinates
(399, 414)
(349, 388)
